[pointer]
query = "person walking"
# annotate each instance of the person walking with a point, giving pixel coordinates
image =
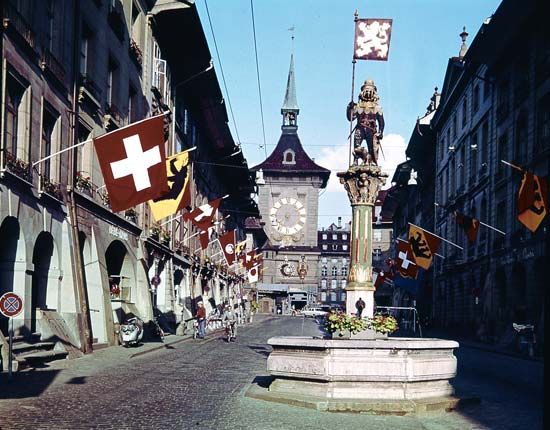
(359, 305)
(201, 319)
(229, 319)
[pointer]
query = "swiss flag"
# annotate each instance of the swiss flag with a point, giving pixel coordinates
(133, 163)
(405, 260)
(227, 243)
(203, 218)
(378, 278)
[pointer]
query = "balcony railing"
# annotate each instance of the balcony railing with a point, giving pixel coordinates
(51, 188)
(11, 18)
(135, 53)
(50, 63)
(18, 167)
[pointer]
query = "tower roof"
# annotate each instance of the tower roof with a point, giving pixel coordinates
(290, 103)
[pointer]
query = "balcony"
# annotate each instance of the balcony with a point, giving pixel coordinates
(116, 18)
(112, 118)
(51, 188)
(135, 53)
(50, 64)
(18, 167)
(89, 92)
(13, 20)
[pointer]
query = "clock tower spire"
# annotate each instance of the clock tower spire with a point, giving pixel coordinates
(290, 108)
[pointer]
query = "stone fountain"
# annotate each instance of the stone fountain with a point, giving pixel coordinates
(363, 374)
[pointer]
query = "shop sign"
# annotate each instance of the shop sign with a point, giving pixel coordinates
(117, 232)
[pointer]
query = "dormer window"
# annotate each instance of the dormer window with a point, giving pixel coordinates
(289, 157)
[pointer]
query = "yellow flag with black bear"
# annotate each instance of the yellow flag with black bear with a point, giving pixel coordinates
(424, 245)
(178, 169)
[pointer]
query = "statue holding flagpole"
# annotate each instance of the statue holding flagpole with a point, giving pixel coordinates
(370, 124)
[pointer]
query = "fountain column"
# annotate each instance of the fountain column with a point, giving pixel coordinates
(362, 184)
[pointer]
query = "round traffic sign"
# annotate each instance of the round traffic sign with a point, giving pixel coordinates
(11, 305)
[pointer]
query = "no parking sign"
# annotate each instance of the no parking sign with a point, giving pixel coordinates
(11, 305)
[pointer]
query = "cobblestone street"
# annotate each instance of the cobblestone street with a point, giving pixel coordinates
(201, 384)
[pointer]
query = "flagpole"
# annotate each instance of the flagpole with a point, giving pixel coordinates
(513, 166)
(445, 240)
(482, 223)
(353, 62)
(76, 145)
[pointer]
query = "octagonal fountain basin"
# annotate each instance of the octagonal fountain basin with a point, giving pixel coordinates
(356, 369)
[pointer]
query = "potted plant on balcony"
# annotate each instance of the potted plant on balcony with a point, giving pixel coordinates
(83, 182)
(165, 236)
(131, 214)
(155, 230)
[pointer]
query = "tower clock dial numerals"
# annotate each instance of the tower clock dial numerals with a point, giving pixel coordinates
(288, 216)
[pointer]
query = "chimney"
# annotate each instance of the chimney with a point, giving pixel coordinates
(339, 222)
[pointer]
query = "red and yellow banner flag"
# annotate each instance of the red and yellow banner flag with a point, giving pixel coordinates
(423, 246)
(469, 224)
(532, 200)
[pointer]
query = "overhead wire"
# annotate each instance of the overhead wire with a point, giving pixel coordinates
(223, 75)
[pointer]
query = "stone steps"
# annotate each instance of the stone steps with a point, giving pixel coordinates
(30, 351)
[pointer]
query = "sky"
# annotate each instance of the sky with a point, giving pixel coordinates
(425, 34)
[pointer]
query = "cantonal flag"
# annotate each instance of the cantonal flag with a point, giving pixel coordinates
(469, 224)
(532, 200)
(203, 216)
(227, 243)
(423, 245)
(178, 170)
(133, 163)
(372, 39)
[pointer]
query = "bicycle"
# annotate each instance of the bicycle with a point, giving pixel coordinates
(230, 331)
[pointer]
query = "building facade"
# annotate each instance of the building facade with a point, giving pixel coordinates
(288, 196)
(75, 70)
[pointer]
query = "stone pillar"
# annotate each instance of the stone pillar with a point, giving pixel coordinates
(362, 184)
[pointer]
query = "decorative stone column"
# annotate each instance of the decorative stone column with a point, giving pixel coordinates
(362, 184)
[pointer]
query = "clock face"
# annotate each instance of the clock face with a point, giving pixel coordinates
(288, 216)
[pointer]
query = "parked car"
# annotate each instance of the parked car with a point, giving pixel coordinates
(314, 312)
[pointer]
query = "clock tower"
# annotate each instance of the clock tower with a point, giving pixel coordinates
(289, 182)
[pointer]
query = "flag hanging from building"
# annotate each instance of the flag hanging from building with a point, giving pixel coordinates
(132, 160)
(203, 216)
(378, 278)
(178, 171)
(372, 39)
(227, 243)
(469, 225)
(532, 200)
(240, 248)
(406, 265)
(423, 245)
(410, 285)
(253, 273)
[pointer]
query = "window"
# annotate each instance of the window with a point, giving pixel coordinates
(475, 98)
(343, 296)
(343, 283)
(323, 297)
(333, 284)
(325, 237)
(503, 100)
(543, 125)
(334, 271)
(453, 127)
(132, 105)
(501, 215)
(520, 143)
(344, 270)
(473, 157)
(49, 119)
(325, 247)
(112, 83)
(464, 112)
(335, 247)
(344, 236)
(377, 235)
(502, 152)
(14, 94)
(323, 283)
(484, 143)
(289, 157)
(461, 169)
(334, 237)
(344, 247)
(333, 296)
(324, 260)
(344, 261)
(324, 271)
(483, 218)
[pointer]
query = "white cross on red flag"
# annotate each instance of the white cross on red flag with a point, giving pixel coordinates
(133, 163)
(405, 260)
(203, 218)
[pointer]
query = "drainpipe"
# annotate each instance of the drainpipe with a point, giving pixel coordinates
(83, 315)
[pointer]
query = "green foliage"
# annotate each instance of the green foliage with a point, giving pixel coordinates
(340, 321)
(382, 323)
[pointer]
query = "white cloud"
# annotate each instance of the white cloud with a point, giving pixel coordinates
(336, 158)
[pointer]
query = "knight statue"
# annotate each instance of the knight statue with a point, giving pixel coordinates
(369, 126)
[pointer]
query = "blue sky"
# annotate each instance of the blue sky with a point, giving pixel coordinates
(425, 34)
